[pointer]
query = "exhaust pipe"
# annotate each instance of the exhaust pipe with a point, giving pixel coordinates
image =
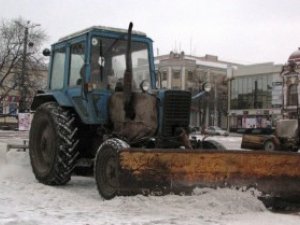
(128, 106)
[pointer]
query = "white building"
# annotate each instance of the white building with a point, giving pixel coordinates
(186, 72)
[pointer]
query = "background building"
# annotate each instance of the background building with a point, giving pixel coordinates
(10, 93)
(255, 95)
(186, 72)
(291, 87)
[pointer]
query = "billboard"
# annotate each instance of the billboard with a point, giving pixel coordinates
(24, 121)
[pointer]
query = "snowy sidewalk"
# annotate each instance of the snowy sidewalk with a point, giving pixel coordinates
(2, 153)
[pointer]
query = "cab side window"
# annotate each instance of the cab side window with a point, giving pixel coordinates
(77, 69)
(58, 66)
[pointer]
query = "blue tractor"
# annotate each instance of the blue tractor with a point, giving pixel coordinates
(104, 109)
(102, 91)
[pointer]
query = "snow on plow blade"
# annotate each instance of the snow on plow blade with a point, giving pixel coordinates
(275, 174)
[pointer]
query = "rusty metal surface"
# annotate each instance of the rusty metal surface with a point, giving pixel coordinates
(144, 123)
(251, 141)
(276, 174)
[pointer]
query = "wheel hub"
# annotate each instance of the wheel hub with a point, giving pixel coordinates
(111, 173)
(270, 146)
(44, 147)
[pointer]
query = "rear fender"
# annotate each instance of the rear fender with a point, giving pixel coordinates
(58, 97)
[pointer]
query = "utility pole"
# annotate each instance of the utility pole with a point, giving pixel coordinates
(203, 106)
(22, 106)
(22, 88)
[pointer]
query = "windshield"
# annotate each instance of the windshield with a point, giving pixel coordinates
(108, 62)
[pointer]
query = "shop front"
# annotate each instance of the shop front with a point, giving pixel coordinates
(244, 119)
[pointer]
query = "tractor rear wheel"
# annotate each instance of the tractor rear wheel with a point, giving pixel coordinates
(52, 144)
(106, 167)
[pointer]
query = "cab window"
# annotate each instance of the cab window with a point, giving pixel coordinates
(57, 72)
(108, 63)
(77, 69)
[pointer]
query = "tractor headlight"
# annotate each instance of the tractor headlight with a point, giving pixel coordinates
(145, 86)
(207, 87)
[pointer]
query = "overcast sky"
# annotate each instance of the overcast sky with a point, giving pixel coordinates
(245, 31)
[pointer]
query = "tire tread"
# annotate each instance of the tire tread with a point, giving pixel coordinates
(67, 153)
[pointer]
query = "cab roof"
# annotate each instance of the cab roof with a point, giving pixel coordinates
(100, 28)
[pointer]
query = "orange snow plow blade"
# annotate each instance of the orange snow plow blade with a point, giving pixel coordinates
(275, 174)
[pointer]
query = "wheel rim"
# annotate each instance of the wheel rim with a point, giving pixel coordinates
(111, 173)
(269, 146)
(43, 152)
(108, 180)
(45, 155)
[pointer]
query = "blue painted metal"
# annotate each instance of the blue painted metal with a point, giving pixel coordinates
(56, 95)
(199, 95)
(100, 106)
(61, 98)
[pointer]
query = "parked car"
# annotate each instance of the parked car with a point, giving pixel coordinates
(194, 129)
(214, 130)
(260, 138)
(284, 138)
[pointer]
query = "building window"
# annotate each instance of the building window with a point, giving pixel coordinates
(1, 108)
(176, 74)
(13, 108)
(292, 95)
(164, 75)
(190, 75)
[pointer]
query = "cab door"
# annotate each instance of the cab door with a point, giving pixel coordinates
(76, 77)
(88, 98)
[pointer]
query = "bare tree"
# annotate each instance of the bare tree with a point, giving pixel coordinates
(21, 64)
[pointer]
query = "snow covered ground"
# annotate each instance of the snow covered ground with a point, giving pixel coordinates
(24, 201)
(229, 142)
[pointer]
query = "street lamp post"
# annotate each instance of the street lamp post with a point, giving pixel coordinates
(202, 104)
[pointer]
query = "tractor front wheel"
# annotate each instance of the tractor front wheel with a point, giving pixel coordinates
(269, 146)
(106, 167)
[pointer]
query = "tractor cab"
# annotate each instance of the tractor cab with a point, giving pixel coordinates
(87, 67)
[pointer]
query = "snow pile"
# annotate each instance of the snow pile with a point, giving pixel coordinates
(25, 201)
(14, 164)
(229, 201)
(229, 142)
